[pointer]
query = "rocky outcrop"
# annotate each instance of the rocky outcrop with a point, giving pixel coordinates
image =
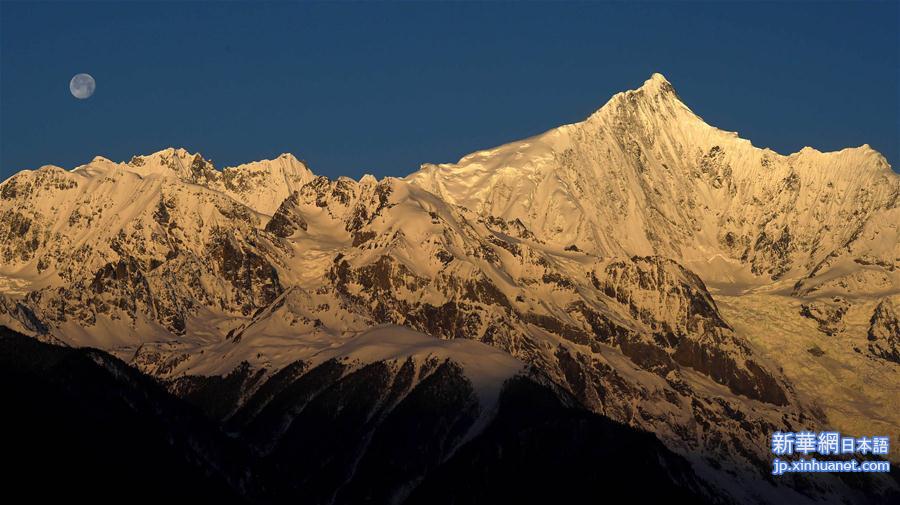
(287, 220)
(884, 331)
(253, 277)
(829, 314)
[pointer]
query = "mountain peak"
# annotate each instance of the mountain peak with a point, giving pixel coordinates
(656, 85)
(656, 79)
(283, 163)
(159, 157)
(655, 96)
(171, 151)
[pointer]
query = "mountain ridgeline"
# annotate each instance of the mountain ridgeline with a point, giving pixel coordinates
(534, 311)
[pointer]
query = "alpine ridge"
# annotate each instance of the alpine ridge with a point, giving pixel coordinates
(641, 264)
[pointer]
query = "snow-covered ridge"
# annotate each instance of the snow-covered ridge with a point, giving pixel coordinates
(261, 185)
(487, 368)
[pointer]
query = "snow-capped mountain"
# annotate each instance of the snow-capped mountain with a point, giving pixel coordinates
(644, 175)
(656, 270)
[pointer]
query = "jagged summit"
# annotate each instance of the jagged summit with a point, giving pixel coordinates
(655, 86)
(172, 160)
(184, 156)
(169, 152)
(657, 77)
(657, 83)
(261, 185)
(181, 152)
(655, 101)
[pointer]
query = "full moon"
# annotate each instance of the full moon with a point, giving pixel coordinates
(82, 86)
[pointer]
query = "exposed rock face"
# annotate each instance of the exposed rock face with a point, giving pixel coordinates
(829, 314)
(884, 332)
(663, 284)
(287, 219)
(19, 316)
(254, 279)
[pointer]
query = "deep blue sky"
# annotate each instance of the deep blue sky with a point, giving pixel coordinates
(356, 88)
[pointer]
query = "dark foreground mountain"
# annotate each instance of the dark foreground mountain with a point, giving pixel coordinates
(79, 424)
(91, 427)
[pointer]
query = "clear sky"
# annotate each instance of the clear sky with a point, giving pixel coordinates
(381, 88)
